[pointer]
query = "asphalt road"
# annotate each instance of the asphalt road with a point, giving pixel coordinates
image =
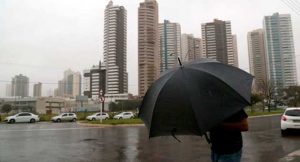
(70, 142)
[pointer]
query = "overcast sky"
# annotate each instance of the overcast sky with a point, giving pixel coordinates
(42, 38)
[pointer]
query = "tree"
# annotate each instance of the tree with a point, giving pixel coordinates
(124, 105)
(112, 106)
(6, 108)
(292, 94)
(268, 90)
(255, 98)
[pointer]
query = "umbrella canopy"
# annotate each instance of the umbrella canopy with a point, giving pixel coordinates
(193, 98)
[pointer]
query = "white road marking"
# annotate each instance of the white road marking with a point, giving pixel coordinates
(290, 156)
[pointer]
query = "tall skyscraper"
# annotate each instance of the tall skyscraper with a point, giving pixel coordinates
(37, 90)
(218, 42)
(235, 51)
(115, 49)
(76, 91)
(191, 48)
(20, 86)
(257, 58)
(170, 44)
(280, 50)
(148, 45)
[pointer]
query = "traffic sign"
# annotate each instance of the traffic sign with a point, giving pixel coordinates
(102, 99)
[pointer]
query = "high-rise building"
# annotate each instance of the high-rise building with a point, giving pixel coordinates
(70, 85)
(20, 86)
(148, 45)
(280, 50)
(37, 90)
(61, 88)
(235, 51)
(115, 49)
(8, 90)
(86, 82)
(94, 81)
(257, 58)
(191, 48)
(198, 48)
(218, 42)
(76, 91)
(170, 44)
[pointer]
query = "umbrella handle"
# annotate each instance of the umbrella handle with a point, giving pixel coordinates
(179, 61)
(173, 134)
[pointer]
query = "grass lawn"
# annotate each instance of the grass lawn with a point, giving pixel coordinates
(116, 121)
(266, 112)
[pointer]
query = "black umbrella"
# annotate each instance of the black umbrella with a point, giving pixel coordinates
(193, 98)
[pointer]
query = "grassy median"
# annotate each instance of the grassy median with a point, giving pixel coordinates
(116, 121)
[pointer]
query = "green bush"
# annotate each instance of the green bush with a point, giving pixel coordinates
(83, 115)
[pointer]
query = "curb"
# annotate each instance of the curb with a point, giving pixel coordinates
(109, 125)
(261, 116)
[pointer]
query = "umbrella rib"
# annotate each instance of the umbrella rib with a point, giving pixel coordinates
(189, 97)
(169, 76)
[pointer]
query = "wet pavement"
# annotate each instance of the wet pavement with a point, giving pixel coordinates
(62, 142)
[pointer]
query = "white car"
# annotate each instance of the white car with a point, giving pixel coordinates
(23, 117)
(64, 117)
(290, 120)
(98, 116)
(124, 115)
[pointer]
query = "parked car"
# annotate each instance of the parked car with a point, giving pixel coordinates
(64, 117)
(98, 116)
(290, 120)
(124, 115)
(23, 117)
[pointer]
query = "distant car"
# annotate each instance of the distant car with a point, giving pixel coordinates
(290, 120)
(124, 115)
(23, 117)
(64, 117)
(98, 116)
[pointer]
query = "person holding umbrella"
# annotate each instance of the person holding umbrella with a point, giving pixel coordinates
(226, 138)
(199, 97)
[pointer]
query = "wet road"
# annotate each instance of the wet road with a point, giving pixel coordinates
(62, 142)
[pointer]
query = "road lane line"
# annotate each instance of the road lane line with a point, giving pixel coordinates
(291, 156)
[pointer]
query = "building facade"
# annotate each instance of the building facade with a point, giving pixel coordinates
(218, 42)
(8, 90)
(279, 42)
(235, 51)
(37, 90)
(148, 45)
(94, 81)
(115, 49)
(20, 86)
(257, 58)
(70, 85)
(170, 44)
(191, 48)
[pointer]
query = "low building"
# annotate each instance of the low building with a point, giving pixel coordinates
(40, 105)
